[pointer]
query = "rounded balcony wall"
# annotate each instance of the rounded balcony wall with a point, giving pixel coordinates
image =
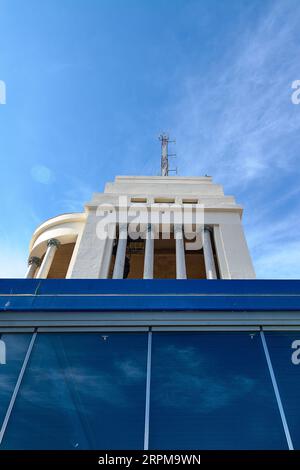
(65, 228)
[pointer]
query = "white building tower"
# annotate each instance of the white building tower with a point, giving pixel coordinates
(146, 227)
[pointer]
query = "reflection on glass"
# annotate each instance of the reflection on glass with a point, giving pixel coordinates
(82, 391)
(284, 349)
(13, 348)
(212, 391)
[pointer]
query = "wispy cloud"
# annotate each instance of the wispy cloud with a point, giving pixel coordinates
(131, 369)
(76, 195)
(238, 124)
(193, 375)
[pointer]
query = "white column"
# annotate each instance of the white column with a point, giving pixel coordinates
(33, 263)
(180, 254)
(52, 246)
(121, 253)
(106, 260)
(149, 254)
(209, 260)
(107, 251)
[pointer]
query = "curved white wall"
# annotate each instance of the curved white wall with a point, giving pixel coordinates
(67, 228)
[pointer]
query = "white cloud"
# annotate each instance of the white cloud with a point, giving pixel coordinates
(236, 122)
(77, 194)
(195, 375)
(132, 370)
(279, 261)
(229, 123)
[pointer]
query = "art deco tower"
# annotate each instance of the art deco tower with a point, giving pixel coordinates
(150, 225)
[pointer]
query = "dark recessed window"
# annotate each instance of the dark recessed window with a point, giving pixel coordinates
(136, 200)
(189, 201)
(164, 200)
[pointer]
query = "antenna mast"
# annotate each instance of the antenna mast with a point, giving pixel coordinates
(164, 165)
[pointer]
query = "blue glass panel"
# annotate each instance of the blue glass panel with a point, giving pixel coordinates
(212, 391)
(82, 391)
(284, 349)
(13, 348)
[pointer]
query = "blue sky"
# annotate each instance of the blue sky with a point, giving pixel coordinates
(91, 84)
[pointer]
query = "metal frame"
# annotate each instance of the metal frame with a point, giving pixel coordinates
(5, 329)
(144, 328)
(281, 328)
(91, 329)
(205, 328)
(23, 319)
(276, 391)
(148, 391)
(17, 386)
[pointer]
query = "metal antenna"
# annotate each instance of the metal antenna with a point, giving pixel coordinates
(164, 138)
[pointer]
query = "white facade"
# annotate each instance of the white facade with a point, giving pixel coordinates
(225, 250)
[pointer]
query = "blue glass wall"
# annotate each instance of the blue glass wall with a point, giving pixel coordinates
(81, 391)
(212, 391)
(209, 390)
